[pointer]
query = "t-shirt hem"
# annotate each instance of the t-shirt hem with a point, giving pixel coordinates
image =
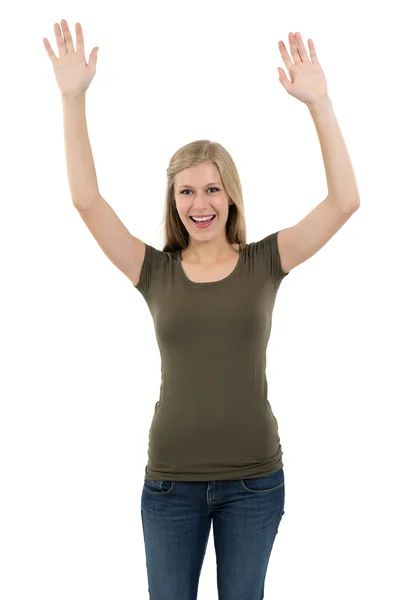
(242, 473)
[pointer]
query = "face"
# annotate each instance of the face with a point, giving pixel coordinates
(199, 192)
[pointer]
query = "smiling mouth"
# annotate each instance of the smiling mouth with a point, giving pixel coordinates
(203, 224)
(204, 220)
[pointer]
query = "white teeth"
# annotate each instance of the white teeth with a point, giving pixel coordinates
(199, 220)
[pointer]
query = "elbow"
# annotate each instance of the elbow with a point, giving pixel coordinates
(352, 206)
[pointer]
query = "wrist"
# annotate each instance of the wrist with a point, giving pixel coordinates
(73, 97)
(321, 104)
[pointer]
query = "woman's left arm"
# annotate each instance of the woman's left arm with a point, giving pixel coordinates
(298, 243)
(341, 182)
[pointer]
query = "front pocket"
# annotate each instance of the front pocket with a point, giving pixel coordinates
(267, 483)
(158, 488)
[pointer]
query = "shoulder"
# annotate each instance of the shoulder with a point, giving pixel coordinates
(155, 261)
(266, 251)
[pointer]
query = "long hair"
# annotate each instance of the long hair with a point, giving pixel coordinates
(175, 234)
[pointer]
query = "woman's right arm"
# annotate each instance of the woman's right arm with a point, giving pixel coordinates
(80, 165)
(74, 75)
(124, 250)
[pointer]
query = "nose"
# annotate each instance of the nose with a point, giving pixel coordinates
(201, 205)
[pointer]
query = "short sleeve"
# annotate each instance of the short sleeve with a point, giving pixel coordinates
(268, 252)
(153, 263)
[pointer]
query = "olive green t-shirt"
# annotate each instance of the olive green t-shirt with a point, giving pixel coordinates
(213, 419)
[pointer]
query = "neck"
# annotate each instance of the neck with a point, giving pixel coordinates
(208, 253)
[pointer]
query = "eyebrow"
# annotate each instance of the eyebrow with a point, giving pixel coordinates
(210, 183)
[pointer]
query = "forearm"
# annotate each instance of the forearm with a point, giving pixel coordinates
(341, 182)
(80, 165)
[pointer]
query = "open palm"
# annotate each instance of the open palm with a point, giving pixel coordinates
(72, 73)
(308, 82)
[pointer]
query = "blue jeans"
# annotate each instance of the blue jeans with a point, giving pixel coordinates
(176, 518)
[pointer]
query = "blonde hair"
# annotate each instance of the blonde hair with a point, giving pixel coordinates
(175, 234)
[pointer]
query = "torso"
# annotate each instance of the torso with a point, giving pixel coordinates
(199, 274)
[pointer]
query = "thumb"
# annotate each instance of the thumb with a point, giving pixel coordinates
(284, 79)
(93, 59)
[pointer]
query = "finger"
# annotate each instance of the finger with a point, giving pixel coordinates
(93, 59)
(285, 56)
(67, 36)
(313, 54)
(62, 50)
(49, 50)
(301, 48)
(284, 79)
(294, 48)
(79, 39)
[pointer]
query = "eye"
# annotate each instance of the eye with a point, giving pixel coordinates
(210, 188)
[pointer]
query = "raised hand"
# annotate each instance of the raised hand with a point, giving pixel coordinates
(308, 83)
(72, 73)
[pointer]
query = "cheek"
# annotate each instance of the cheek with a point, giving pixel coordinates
(181, 207)
(220, 205)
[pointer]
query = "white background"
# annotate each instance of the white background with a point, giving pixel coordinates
(80, 368)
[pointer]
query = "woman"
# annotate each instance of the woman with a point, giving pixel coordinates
(214, 452)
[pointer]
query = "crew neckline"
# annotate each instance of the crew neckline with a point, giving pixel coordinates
(207, 283)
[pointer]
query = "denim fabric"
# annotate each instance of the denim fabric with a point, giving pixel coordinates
(177, 516)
